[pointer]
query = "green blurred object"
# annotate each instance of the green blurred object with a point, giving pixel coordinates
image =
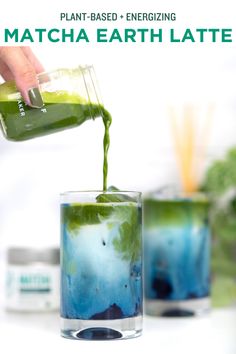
(220, 185)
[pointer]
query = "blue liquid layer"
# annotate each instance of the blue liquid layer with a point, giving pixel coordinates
(177, 257)
(96, 281)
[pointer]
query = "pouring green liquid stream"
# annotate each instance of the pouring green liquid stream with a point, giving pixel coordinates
(62, 110)
(106, 143)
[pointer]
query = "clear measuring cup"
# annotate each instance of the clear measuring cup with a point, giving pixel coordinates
(70, 98)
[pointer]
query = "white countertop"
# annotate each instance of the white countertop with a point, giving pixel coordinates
(39, 333)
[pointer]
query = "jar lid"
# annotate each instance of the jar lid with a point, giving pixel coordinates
(24, 256)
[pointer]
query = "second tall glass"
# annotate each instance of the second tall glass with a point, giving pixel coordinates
(177, 255)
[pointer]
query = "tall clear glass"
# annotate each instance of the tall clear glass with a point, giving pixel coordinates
(176, 255)
(101, 265)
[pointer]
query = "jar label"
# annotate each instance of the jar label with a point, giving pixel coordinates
(32, 288)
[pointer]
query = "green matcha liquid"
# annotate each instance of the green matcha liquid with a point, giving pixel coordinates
(106, 143)
(61, 111)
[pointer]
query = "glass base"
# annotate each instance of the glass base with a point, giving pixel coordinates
(185, 308)
(101, 329)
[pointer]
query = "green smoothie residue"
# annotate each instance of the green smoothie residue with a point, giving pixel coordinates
(62, 110)
(174, 212)
(125, 215)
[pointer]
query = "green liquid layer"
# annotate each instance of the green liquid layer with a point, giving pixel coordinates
(174, 212)
(124, 217)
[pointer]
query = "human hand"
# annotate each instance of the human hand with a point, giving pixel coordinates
(21, 65)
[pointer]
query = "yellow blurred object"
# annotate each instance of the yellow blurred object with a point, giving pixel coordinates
(190, 153)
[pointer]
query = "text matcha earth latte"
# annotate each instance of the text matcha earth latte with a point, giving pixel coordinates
(61, 111)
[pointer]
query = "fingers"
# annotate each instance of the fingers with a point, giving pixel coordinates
(24, 74)
(5, 72)
(33, 59)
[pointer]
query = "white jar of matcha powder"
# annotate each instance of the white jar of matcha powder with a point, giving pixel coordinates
(33, 279)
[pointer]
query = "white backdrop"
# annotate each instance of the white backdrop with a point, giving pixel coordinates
(137, 82)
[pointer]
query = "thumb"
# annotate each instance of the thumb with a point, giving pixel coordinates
(24, 74)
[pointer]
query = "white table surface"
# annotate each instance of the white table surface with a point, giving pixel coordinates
(39, 333)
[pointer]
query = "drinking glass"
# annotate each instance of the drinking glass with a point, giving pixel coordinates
(176, 255)
(101, 268)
